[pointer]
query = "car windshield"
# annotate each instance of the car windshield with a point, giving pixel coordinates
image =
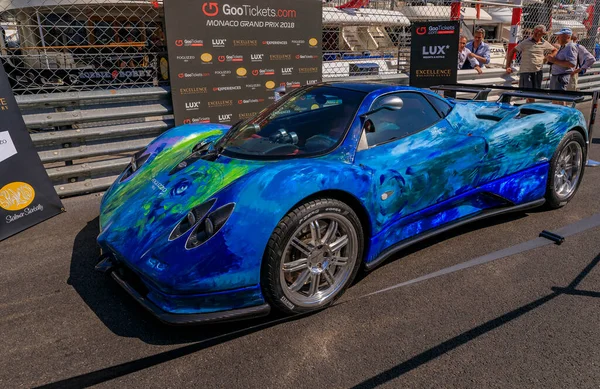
(312, 120)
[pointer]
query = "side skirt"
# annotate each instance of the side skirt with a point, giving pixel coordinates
(431, 233)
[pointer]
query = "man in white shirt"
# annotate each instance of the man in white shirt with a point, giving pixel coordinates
(585, 60)
(463, 55)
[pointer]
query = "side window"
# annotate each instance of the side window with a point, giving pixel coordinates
(415, 115)
(442, 106)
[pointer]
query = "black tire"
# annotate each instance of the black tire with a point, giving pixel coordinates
(271, 272)
(553, 199)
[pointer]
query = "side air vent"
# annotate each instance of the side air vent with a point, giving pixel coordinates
(485, 116)
(523, 112)
(200, 151)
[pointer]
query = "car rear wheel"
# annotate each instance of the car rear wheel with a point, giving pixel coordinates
(312, 256)
(566, 170)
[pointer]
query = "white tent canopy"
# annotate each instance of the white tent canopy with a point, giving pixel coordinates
(8, 5)
(437, 12)
(364, 17)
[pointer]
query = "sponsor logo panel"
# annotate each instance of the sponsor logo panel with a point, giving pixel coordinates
(306, 56)
(226, 88)
(250, 101)
(220, 103)
(274, 43)
(247, 115)
(192, 75)
(263, 72)
(225, 118)
(192, 105)
(245, 42)
(206, 58)
(193, 91)
(218, 42)
(185, 58)
(230, 58)
(189, 43)
(205, 119)
(280, 57)
(312, 69)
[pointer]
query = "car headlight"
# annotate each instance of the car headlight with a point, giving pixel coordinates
(196, 215)
(209, 226)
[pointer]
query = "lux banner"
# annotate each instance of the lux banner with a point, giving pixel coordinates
(27, 196)
(434, 53)
(228, 58)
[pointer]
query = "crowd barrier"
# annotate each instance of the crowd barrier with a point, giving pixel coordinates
(85, 139)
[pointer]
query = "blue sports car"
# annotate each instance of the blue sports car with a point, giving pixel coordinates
(212, 222)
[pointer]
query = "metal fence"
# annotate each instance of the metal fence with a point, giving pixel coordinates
(67, 45)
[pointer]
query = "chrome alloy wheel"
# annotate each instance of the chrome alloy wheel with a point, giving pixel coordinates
(318, 260)
(568, 170)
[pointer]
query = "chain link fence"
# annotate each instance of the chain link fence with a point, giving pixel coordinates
(76, 45)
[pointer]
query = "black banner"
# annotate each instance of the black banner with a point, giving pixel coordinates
(434, 53)
(226, 59)
(27, 196)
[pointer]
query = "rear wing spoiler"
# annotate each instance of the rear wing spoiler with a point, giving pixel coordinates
(482, 92)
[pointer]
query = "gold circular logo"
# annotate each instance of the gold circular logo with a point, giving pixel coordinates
(313, 41)
(16, 196)
(315, 106)
(164, 68)
(270, 84)
(241, 72)
(206, 57)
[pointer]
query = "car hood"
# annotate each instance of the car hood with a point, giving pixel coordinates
(144, 208)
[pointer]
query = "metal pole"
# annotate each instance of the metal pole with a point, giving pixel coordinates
(455, 10)
(517, 12)
(591, 162)
(593, 32)
(42, 38)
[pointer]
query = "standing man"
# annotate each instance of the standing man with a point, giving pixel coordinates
(464, 55)
(479, 49)
(563, 61)
(585, 60)
(532, 59)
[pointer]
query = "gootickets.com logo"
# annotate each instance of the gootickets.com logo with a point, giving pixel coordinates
(422, 30)
(210, 9)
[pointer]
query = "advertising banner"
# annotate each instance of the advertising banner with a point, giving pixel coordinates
(434, 53)
(227, 58)
(27, 196)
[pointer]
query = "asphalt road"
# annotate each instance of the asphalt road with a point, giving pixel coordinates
(525, 320)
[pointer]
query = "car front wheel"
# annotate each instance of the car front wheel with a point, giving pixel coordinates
(312, 256)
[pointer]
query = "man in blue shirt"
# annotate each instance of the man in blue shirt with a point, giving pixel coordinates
(564, 61)
(479, 50)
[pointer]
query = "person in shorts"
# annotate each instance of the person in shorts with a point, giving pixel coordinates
(564, 61)
(585, 60)
(532, 52)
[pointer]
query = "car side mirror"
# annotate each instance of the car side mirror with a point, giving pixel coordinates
(390, 103)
